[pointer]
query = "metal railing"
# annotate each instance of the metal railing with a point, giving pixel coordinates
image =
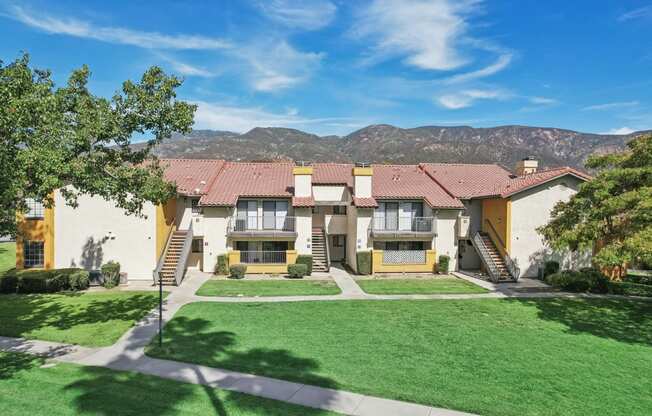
(328, 253)
(404, 256)
(485, 256)
(161, 259)
(404, 223)
(264, 257)
(511, 266)
(262, 223)
(183, 258)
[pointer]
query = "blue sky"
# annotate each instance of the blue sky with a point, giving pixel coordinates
(333, 66)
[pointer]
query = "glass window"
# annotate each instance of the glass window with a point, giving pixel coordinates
(33, 254)
(194, 203)
(339, 210)
(338, 241)
(35, 209)
(197, 245)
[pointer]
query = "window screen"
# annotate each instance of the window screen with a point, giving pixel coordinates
(35, 208)
(33, 254)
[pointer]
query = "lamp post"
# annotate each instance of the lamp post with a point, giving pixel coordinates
(160, 310)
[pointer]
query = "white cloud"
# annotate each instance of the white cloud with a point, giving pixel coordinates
(542, 100)
(184, 68)
(611, 106)
(621, 131)
(636, 14)
(501, 63)
(466, 98)
(81, 29)
(308, 15)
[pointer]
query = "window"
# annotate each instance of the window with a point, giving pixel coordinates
(33, 254)
(339, 210)
(338, 241)
(35, 209)
(315, 210)
(197, 245)
(194, 203)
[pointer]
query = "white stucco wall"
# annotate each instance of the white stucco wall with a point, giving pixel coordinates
(184, 212)
(97, 231)
(469, 259)
(214, 223)
(531, 209)
(362, 186)
(303, 218)
(351, 226)
(446, 239)
(302, 185)
(331, 193)
(336, 224)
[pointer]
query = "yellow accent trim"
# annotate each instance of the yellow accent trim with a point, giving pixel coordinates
(379, 267)
(165, 216)
(363, 171)
(499, 212)
(291, 258)
(302, 170)
(37, 230)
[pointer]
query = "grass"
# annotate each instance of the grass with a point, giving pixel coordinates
(7, 256)
(418, 286)
(268, 288)
(26, 387)
(486, 356)
(93, 319)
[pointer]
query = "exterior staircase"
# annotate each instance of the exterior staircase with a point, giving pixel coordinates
(319, 255)
(172, 257)
(493, 261)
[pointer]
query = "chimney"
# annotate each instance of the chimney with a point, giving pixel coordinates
(302, 180)
(527, 166)
(362, 174)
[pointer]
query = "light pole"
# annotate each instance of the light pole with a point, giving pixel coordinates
(160, 309)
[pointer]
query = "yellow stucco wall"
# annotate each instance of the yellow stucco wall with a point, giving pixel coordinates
(427, 267)
(363, 171)
(165, 224)
(302, 170)
(38, 230)
(291, 258)
(499, 212)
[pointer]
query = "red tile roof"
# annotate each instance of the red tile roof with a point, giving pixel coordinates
(192, 176)
(521, 183)
(365, 202)
(332, 174)
(273, 180)
(303, 201)
(410, 182)
(467, 181)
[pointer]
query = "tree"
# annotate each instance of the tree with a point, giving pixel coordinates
(611, 213)
(52, 137)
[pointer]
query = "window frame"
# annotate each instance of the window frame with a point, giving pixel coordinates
(33, 260)
(34, 205)
(200, 243)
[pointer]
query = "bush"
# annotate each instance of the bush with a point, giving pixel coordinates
(641, 279)
(363, 260)
(9, 281)
(40, 281)
(442, 264)
(585, 280)
(550, 267)
(297, 271)
(222, 266)
(79, 280)
(110, 274)
(237, 271)
(630, 289)
(306, 259)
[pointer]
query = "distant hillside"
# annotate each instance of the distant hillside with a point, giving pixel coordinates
(388, 144)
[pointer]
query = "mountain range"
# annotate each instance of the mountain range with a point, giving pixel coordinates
(383, 143)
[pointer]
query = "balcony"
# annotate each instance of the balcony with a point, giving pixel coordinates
(403, 226)
(262, 226)
(263, 257)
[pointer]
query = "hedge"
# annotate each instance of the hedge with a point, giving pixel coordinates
(641, 279)
(442, 264)
(363, 259)
(297, 271)
(237, 271)
(584, 280)
(43, 281)
(630, 289)
(305, 259)
(550, 267)
(222, 266)
(110, 274)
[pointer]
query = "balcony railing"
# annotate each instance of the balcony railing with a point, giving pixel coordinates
(263, 257)
(404, 256)
(403, 224)
(264, 223)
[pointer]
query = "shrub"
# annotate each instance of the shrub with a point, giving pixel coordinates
(237, 271)
(442, 264)
(585, 280)
(630, 289)
(363, 260)
(79, 280)
(550, 267)
(641, 279)
(306, 259)
(40, 281)
(110, 274)
(9, 281)
(297, 271)
(222, 266)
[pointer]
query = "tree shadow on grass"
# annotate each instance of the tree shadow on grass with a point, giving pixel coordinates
(620, 320)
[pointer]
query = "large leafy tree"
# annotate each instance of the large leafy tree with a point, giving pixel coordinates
(52, 137)
(611, 213)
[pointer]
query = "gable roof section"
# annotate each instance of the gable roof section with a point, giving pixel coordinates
(332, 174)
(467, 181)
(410, 182)
(264, 180)
(192, 176)
(521, 183)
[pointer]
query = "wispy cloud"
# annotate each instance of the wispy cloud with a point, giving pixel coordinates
(466, 98)
(501, 63)
(620, 131)
(642, 12)
(307, 14)
(81, 29)
(611, 106)
(184, 68)
(542, 100)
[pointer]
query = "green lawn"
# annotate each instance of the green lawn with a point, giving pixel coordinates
(267, 288)
(7, 256)
(26, 388)
(91, 319)
(418, 286)
(486, 356)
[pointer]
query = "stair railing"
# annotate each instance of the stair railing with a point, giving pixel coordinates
(328, 254)
(161, 259)
(485, 256)
(183, 257)
(511, 266)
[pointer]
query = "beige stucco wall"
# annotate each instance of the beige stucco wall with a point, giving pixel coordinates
(303, 218)
(214, 223)
(446, 239)
(362, 186)
(302, 185)
(470, 259)
(531, 209)
(97, 231)
(336, 224)
(331, 193)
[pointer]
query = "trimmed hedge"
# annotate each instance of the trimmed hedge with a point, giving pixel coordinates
(110, 274)
(584, 280)
(237, 271)
(641, 279)
(305, 259)
(550, 267)
(297, 271)
(363, 260)
(443, 263)
(630, 289)
(222, 266)
(43, 281)
(79, 280)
